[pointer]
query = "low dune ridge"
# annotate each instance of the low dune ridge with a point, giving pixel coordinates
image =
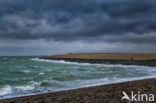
(109, 58)
(113, 56)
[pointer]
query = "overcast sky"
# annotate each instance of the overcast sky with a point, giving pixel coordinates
(47, 27)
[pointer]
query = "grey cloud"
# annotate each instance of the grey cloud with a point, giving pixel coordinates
(43, 47)
(149, 38)
(73, 21)
(27, 19)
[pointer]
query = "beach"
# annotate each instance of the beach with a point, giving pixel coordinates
(77, 51)
(111, 93)
(81, 78)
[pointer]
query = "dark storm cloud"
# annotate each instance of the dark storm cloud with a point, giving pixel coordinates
(69, 20)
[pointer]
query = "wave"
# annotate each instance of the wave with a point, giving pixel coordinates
(5, 90)
(148, 69)
(99, 65)
(34, 86)
(26, 71)
(103, 81)
(25, 87)
(60, 61)
(53, 86)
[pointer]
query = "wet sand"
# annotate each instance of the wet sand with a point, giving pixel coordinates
(111, 93)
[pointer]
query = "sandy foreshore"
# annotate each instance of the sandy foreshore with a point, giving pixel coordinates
(111, 93)
(118, 58)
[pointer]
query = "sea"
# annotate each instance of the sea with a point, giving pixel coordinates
(26, 75)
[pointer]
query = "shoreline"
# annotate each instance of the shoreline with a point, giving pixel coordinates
(124, 59)
(151, 63)
(109, 93)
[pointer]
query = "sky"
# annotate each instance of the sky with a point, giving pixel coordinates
(48, 27)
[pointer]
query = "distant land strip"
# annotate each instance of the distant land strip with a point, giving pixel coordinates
(145, 59)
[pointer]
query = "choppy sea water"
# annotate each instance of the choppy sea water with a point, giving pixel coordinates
(21, 76)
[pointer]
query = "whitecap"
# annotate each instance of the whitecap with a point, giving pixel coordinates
(95, 64)
(60, 61)
(5, 90)
(41, 73)
(26, 71)
(5, 58)
(25, 87)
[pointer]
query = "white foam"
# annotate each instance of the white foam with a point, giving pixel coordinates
(150, 70)
(5, 90)
(41, 73)
(100, 65)
(102, 81)
(25, 87)
(65, 85)
(26, 71)
(60, 61)
(5, 58)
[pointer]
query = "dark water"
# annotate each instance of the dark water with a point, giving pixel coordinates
(29, 75)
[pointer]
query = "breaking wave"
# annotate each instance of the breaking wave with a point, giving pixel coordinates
(35, 76)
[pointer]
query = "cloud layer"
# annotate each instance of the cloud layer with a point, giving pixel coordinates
(101, 22)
